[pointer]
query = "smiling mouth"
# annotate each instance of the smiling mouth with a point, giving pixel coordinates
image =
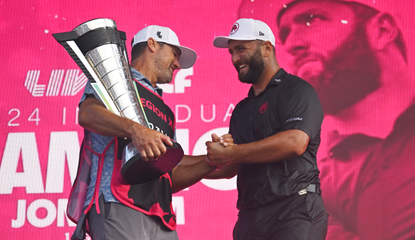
(241, 67)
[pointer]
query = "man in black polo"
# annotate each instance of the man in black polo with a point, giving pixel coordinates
(277, 133)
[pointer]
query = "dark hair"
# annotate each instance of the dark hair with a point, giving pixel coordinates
(260, 42)
(139, 48)
(363, 14)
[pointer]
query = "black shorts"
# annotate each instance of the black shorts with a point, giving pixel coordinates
(298, 217)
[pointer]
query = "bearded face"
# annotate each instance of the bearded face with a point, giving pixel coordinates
(255, 65)
(166, 62)
(350, 73)
(328, 47)
(164, 72)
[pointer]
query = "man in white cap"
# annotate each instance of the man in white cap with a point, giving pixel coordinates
(112, 208)
(359, 56)
(277, 133)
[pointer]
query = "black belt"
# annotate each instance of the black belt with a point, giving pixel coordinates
(310, 188)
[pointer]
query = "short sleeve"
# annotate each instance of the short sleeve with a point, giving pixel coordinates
(300, 107)
(89, 90)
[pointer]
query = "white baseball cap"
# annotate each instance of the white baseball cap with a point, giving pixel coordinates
(246, 29)
(166, 35)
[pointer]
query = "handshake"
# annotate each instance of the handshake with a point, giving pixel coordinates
(220, 151)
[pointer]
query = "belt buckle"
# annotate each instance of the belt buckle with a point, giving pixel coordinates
(302, 192)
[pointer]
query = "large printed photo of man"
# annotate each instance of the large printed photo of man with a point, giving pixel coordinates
(359, 56)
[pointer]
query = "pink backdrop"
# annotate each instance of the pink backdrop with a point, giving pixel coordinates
(41, 87)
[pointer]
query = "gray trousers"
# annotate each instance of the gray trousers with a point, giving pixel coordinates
(120, 222)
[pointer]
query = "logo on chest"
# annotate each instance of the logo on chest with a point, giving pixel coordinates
(264, 107)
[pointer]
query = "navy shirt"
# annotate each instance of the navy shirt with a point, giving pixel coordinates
(288, 102)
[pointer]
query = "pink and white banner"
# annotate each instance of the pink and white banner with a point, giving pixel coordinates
(41, 88)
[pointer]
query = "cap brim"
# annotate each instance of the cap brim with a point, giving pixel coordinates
(223, 42)
(187, 56)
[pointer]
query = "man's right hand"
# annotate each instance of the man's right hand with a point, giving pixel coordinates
(94, 116)
(150, 144)
(218, 144)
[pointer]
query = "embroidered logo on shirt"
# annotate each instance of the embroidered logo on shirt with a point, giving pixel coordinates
(294, 119)
(264, 107)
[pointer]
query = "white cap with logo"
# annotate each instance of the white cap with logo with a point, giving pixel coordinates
(246, 29)
(166, 35)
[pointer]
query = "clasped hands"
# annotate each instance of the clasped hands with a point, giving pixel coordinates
(220, 150)
(152, 145)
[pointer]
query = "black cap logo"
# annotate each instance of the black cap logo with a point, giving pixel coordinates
(261, 33)
(159, 34)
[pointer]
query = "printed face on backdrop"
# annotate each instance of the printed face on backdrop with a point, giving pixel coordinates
(166, 61)
(328, 46)
(247, 59)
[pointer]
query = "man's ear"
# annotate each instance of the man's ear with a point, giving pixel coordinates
(381, 31)
(152, 44)
(267, 48)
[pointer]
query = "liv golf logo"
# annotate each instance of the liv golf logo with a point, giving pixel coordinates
(60, 83)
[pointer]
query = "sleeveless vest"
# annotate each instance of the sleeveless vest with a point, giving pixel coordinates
(152, 198)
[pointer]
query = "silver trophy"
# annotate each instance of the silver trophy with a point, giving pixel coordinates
(99, 50)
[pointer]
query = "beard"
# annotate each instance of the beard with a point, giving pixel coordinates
(164, 74)
(256, 67)
(351, 73)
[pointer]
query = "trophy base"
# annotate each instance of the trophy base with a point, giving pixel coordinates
(134, 170)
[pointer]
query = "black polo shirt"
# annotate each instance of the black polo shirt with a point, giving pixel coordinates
(288, 102)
